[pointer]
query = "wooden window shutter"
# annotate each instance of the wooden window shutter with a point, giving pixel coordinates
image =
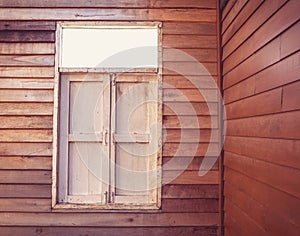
(135, 139)
(84, 127)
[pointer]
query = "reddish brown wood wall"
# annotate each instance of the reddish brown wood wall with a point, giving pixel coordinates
(27, 39)
(261, 62)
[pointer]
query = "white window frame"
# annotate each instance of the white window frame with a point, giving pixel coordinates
(56, 205)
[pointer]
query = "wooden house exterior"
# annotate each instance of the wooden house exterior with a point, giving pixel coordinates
(250, 49)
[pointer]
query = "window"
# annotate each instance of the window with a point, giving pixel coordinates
(108, 132)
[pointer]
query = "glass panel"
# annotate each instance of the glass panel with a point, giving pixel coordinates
(109, 48)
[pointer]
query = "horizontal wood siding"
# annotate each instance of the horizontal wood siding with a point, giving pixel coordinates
(261, 62)
(190, 203)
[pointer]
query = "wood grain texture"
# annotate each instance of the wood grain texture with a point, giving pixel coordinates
(284, 204)
(25, 177)
(239, 20)
(286, 181)
(17, 83)
(26, 60)
(95, 231)
(261, 78)
(110, 4)
(25, 191)
(193, 15)
(27, 25)
(190, 177)
(25, 163)
(283, 152)
(184, 149)
(190, 191)
(190, 202)
(25, 149)
(262, 13)
(190, 205)
(264, 35)
(25, 72)
(26, 48)
(25, 205)
(29, 108)
(26, 36)
(12, 95)
(18, 135)
(26, 122)
(189, 28)
(96, 219)
(282, 125)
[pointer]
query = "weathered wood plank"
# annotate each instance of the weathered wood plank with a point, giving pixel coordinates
(253, 106)
(25, 135)
(13, 95)
(278, 23)
(227, 8)
(283, 152)
(235, 10)
(189, 122)
(26, 48)
(25, 149)
(95, 231)
(190, 95)
(36, 83)
(96, 219)
(190, 136)
(290, 97)
(26, 72)
(281, 73)
(243, 221)
(26, 122)
(267, 56)
(184, 149)
(185, 82)
(190, 41)
(27, 25)
(25, 163)
(9, 60)
(110, 4)
(190, 191)
(282, 125)
(286, 181)
(193, 15)
(176, 163)
(272, 224)
(26, 36)
(190, 68)
(244, 89)
(189, 205)
(25, 205)
(191, 55)
(200, 28)
(281, 203)
(25, 191)
(183, 3)
(267, 9)
(239, 20)
(77, 4)
(25, 177)
(189, 108)
(190, 177)
(26, 108)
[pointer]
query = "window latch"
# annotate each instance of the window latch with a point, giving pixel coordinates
(105, 137)
(106, 197)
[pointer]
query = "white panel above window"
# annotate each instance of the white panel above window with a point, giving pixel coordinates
(109, 48)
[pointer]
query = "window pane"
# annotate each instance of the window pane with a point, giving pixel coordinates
(109, 48)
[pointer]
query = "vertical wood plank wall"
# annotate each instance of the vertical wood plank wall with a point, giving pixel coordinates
(261, 62)
(27, 39)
